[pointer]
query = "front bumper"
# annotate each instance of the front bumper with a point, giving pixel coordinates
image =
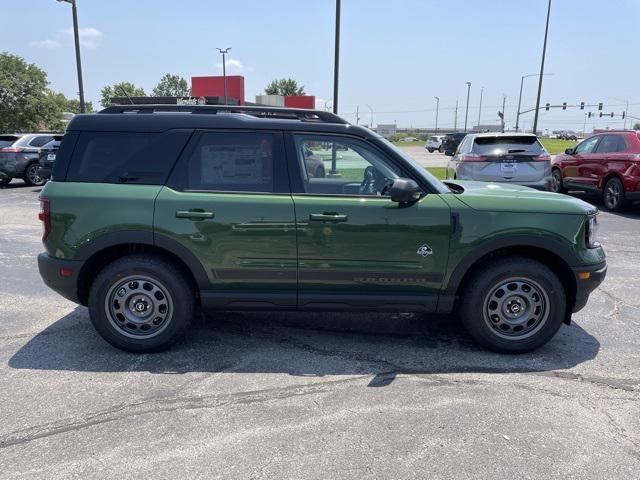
(50, 271)
(584, 286)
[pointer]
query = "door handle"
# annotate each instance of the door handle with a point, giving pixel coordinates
(194, 214)
(328, 217)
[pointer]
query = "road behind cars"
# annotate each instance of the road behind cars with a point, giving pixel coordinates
(314, 396)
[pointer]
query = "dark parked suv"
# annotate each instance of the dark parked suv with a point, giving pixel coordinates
(19, 157)
(155, 211)
(451, 141)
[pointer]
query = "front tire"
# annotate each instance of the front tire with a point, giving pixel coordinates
(141, 303)
(430, 150)
(613, 195)
(556, 181)
(513, 305)
(31, 176)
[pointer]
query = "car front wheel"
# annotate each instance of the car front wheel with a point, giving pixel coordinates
(32, 177)
(556, 182)
(141, 303)
(613, 195)
(513, 305)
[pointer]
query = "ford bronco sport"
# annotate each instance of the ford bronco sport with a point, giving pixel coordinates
(156, 211)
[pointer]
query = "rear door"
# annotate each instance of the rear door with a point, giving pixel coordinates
(613, 156)
(356, 247)
(228, 202)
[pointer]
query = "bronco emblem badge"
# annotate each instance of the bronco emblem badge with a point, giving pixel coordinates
(424, 250)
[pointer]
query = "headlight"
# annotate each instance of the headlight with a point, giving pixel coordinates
(591, 231)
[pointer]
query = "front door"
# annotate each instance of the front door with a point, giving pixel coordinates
(228, 202)
(578, 168)
(357, 248)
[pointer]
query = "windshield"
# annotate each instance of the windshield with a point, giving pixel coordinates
(507, 144)
(432, 180)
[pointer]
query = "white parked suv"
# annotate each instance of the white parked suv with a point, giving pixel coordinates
(434, 143)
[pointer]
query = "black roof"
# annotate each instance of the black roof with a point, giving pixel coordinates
(158, 118)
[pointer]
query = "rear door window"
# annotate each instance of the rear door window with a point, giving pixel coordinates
(126, 157)
(611, 144)
(528, 145)
(41, 140)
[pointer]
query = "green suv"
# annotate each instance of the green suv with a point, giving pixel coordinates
(156, 211)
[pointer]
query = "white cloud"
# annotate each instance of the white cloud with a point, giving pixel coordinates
(49, 44)
(90, 37)
(234, 66)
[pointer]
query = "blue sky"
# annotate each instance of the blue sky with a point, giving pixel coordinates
(395, 56)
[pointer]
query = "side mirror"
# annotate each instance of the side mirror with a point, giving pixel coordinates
(404, 190)
(570, 151)
(449, 153)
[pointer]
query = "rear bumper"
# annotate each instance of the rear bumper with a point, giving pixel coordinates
(584, 287)
(50, 267)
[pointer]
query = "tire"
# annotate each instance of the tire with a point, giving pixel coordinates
(613, 195)
(441, 149)
(144, 282)
(430, 150)
(5, 181)
(556, 181)
(31, 176)
(319, 173)
(528, 323)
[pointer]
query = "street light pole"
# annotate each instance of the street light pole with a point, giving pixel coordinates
(455, 119)
(224, 51)
(520, 96)
(437, 108)
(76, 38)
(336, 59)
(544, 52)
(480, 107)
(466, 113)
(371, 122)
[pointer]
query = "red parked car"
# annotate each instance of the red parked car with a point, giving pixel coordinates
(606, 163)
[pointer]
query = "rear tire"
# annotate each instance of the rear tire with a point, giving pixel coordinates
(513, 305)
(141, 303)
(5, 181)
(31, 176)
(556, 181)
(430, 150)
(613, 195)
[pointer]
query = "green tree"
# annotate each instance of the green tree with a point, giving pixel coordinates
(117, 90)
(284, 86)
(26, 103)
(73, 106)
(636, 126)
(171, 86)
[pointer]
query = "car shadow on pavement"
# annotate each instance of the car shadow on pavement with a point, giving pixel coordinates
(302, 344)
(632, 210)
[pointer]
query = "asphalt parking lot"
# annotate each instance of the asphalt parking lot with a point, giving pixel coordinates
(314, 396)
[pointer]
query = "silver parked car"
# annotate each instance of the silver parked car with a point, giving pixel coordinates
(502, 157)
(434, 143)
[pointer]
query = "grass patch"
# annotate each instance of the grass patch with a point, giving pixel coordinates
(555, 145)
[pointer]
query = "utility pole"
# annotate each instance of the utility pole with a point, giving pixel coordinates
(480, 107)
(466, 113)
(224, 51)
(455, 119)
(437, 108)
(336, 59)
(584, 127)
(357, 114)
(504, 101)
(544, 52)
(76, 38)
(371, 122)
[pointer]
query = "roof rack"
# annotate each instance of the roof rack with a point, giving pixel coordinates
(261, 112)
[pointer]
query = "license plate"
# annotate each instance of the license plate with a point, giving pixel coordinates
(508, 167)
(51, 157)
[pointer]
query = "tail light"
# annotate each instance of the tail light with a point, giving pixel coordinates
(45, 217)
(472, 157)
(545, 157)
(11, 150)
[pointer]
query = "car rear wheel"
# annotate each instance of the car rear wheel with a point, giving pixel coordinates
(141, 303)
(32, 177)
(441, 149)
(513, 305)
(613, 195)
(556, 182)
(430, 150)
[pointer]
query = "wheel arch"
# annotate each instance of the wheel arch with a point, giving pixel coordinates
(608, 176)
(552, 254)
(101, 251)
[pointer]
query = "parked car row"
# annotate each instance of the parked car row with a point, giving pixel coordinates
(20, 156)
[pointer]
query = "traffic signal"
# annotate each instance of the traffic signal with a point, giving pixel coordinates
(547, 107)
(581, 105)
(589, 114)
(600, 114)
(624, 114)
(600, 106)
(564, 105)
(611, 114)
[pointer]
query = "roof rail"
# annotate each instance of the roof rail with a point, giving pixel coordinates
(301, 114)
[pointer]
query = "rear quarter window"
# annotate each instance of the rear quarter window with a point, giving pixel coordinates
(515, 144)
(125, 157)
(7, 140)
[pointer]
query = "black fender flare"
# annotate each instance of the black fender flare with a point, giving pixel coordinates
(141, 237)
